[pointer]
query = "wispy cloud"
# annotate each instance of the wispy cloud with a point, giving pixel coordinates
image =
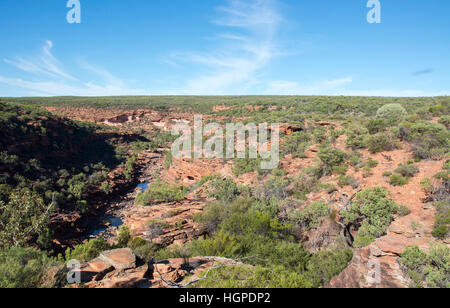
(245, 48)
(53, 80)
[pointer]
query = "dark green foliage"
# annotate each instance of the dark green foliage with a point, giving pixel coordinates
(25, 216)
(327, 264)
(124, 237)
(372, 212)
(311, 215)
(253, 277)
(403, 210)
(295, 144)
(88, 251)
(332, 157)
(442, 223)
(429, 140)
(427, 270)
(225, 190)
(380, 142)
(23, 267)
(356, 135)
(51, 159)
(143, 249)
(398, 180)
(161, 191)
(407, 170)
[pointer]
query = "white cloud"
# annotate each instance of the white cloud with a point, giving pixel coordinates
(234, 66)
(55, 81)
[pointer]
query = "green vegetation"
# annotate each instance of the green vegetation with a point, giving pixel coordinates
(310, 216)
(429, 140)
(392, 113)
(160, 191)
(331, 157)
(23, 267)
(88, 251)
(427, 270)
(372, 213)
(398, 180)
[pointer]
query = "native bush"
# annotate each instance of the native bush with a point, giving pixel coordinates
(372, 212)
(392, 113)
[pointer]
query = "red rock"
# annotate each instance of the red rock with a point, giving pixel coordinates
(120, 259)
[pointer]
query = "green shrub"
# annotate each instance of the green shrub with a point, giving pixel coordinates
(407, 170)
(225, 190)
(346, 180)
(427, 270)
(376, 126)
(403, 210)
(311, 215)
(441, 228)
(143, 249)
(429, 140)
(355, 137)
(326, 264)
(398, 180)
(372, 212)
(23, 267)
(295, 144)
(445, 120)
(380, 143)
(87, 251)
(124, 237)
(332, 157)
(392, 113)
(161, 191)
(242, 276)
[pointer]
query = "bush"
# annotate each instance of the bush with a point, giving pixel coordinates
(295, 144)
(325, 265)
(445, 120)
(124, 237)
(346, 180)
(379, 143)
(243, 276)
(429, 140)
(23, 267)
(355, 137)
(87, 251)
(427, 270)
(143, 249)
(441, 228)
(403, 210)
(398, 180)
(311, 215)
(160, 191)
(372, 212)
(225, 190)
(392, 113)
(332, 157)
(407, 170)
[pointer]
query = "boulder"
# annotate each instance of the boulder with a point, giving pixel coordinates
(120, 259)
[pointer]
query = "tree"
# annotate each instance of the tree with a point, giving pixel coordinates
(24, 217)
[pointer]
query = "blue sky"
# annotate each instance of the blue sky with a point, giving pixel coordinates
(221, 47)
